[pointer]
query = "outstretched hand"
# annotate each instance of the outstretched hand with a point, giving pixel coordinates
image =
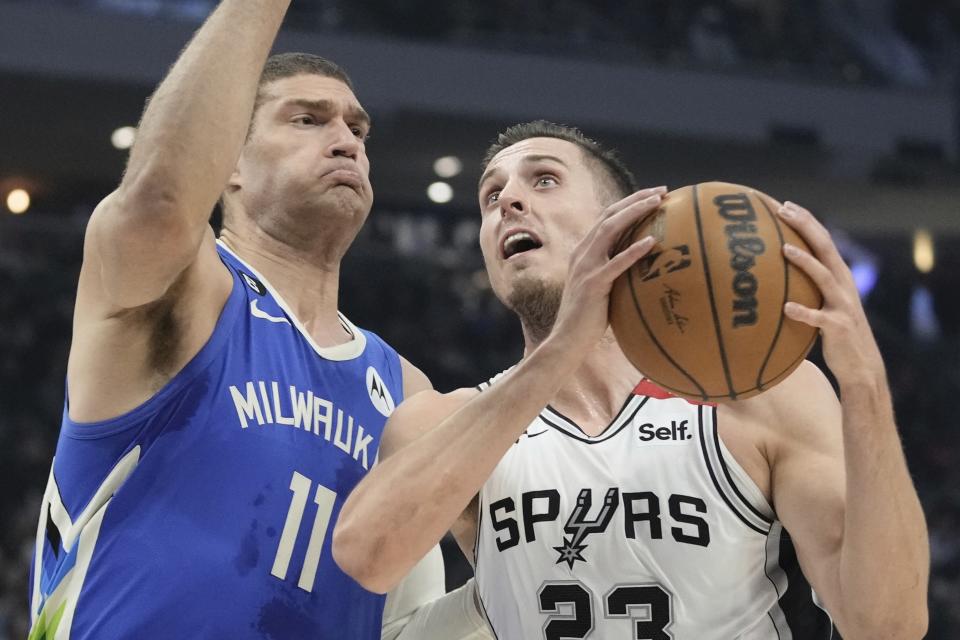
(582, 318)
(849, 347)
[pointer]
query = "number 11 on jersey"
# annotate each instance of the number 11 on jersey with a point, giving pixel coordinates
(324, 499)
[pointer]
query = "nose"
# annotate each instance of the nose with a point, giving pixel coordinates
(511, 201)
(344, 143)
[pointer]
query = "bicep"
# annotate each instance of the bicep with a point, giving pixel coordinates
(809, 484)
(135, 251)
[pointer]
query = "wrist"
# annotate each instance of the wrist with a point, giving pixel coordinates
(558, 356)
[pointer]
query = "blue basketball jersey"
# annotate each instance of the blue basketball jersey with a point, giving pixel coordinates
(208, 511)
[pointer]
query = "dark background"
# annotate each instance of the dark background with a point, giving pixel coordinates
(848, 107)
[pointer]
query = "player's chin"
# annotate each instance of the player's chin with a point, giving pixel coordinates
(348, 199)
(359, 190)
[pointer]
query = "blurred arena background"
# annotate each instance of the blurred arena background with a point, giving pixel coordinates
(849, 107)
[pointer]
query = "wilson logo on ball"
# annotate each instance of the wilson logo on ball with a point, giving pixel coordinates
(702, 314)
(745, 245)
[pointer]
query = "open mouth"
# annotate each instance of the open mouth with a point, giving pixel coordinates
(519, 242)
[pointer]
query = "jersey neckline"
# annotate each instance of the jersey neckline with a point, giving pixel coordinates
(349, 350)
(553, 418)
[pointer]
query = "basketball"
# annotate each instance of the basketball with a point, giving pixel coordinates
(702, 314)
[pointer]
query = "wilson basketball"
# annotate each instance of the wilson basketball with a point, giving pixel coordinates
(702, 314)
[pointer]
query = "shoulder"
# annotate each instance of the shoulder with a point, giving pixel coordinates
(419, 414)
(414, 380)
(802, 412)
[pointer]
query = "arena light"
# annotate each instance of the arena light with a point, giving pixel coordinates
(864, 276)
(440, 192)
(18, 201)
(923, 255)
(123, 137)
(447, 166)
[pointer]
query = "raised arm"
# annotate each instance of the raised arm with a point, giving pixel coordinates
(423, 484)
(840, 480)
(147, 232)
(152, 286)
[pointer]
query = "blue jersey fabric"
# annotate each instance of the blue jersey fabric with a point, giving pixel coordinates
(208, 511)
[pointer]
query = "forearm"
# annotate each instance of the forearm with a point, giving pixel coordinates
(194, 126)
(406, 503)
(884, 561)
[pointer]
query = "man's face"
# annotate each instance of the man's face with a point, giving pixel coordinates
(305, 159)
(538, 199)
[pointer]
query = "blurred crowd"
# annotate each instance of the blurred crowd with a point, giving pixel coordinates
(417, 279)
(911, 43)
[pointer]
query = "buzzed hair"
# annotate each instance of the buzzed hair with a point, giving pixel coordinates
(614, 178)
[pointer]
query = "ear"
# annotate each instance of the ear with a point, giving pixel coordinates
(235, 183)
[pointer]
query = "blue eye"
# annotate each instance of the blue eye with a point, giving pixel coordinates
(493, 196)
(545, 181)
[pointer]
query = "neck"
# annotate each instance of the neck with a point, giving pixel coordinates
(594, 394)
(307, 281)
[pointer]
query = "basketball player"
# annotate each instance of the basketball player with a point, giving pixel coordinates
(607, 508)
(219, 407)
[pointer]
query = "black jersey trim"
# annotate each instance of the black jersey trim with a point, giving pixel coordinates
(766, 572)
(806, 620)
(606, 434)
(476, 538)
(477, 564)
(486, 616)
(486, 384)
(774, 624)
(716, 482)
(573, 424)
(726, 472)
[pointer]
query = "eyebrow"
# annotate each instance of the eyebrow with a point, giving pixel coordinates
(530, 159)
(327, 106)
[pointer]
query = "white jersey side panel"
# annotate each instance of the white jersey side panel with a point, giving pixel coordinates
(649, 530)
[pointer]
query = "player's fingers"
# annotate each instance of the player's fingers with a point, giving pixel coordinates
(627, 258)
(815, 234)
(612, 228)
(821, 276)
(813, 317)
(636, 196)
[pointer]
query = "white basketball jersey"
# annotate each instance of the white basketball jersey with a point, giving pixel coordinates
(648, 531)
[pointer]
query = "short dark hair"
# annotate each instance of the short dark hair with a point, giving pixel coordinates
(616, 178)
(287, 65)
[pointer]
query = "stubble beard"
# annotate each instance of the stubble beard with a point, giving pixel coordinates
(536, 302)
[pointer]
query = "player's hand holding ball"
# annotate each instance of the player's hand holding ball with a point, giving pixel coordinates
(849, 347)
(582, 318)
(702, 314)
